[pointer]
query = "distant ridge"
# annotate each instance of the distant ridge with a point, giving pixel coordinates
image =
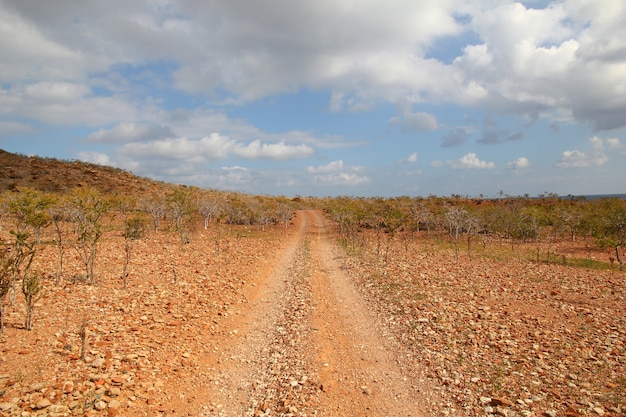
(53, 175)
(599, 196)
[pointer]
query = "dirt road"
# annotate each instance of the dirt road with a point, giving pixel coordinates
(306, 343)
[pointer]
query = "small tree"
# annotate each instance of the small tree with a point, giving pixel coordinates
(209, 208)
(32, 288)
(134, 229)
(456, 218)
(611, 227)
(6, 279)
(59, 216)
(156, 208)
(181, 206)
(28, 208)
(15, 261)
(90, 210)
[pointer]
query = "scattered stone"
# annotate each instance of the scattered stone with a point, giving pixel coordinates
(501, 402)
(100, 405)
(42, 403)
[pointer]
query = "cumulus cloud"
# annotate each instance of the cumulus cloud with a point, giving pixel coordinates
(580, 159)
(524, 60)
(470, 161)
(95, 158)
(410, 121)
(411, 159)
(335, 173)
(275, 151)
(130, 132)
(520, 163)
(214, 147)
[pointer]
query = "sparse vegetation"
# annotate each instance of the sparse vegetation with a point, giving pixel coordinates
(539, 287)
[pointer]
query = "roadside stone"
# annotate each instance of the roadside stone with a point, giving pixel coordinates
(58, 409)
(100, 405)
(42, 403)
(68, 387)
(38, 387)
(501, 402)
(484, 400)
(115, 404)
(598, 410)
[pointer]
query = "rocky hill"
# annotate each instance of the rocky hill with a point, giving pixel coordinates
(53, 175)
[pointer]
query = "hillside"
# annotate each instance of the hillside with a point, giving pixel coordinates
(53, 175)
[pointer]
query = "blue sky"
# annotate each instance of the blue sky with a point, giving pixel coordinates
(324, 98)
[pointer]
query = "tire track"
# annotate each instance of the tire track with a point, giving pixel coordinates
(306, 343)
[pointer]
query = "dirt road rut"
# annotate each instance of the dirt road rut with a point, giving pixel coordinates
(305, 343)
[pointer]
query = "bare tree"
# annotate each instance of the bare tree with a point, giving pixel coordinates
(32, 288)
(15, 261)
(182, 207)
(59, 215)
(133, 230)
(209, 208)
(90, 210)
(456, 218)
(156, 207)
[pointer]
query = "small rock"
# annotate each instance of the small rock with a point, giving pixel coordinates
(501, 402)
(98, 362)
(68, 387)
(549, 413)
(598, 410)
(42, 403)
(58, 409)
(115, 404)
(484, 400)
(366, 390)
(6, 406)
(100, 405)
(37, 387)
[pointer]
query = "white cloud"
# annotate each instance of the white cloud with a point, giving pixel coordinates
(415, 121)
(330, 167)
(95, 158)
(335, 173)
(213, 148)
(527, 61)
(275, 151)
(519, 163)
(130, 132)
(580, 159)
(616, 145)
(411, 159)
(470, 161)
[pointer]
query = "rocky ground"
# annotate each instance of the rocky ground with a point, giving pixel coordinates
(503, 337)
(244, 322)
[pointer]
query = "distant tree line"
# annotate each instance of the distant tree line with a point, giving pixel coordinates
(507, 220)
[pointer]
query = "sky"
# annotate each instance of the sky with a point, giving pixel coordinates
(325, 97)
